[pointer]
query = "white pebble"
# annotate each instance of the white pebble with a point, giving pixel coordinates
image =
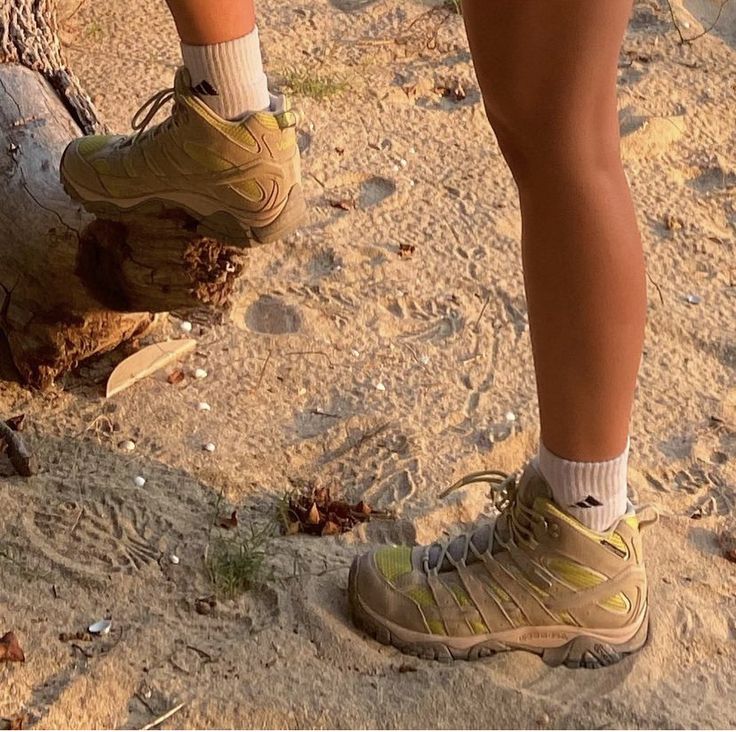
(101, 627)
(210, 447)
(694, 299)
(139, 480)
(424, 360)
(186, 326)
(355, 352)
(173, 559)
(395, 168)
(200, 374)
(381, 386)
(510, 417)
(204, 407)
(127, 445)
(403, 163)
(412, 151)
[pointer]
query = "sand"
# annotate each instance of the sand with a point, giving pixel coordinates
(293, 382)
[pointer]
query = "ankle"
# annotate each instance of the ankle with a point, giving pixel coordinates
(229, 76)
(592, 492)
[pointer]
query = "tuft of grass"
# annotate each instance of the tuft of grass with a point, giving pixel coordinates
(311, 83)
(94, 31)
(236, 563)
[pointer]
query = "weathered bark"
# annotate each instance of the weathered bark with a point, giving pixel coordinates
(71, 287)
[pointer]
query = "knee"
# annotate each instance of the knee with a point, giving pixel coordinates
(541, 142)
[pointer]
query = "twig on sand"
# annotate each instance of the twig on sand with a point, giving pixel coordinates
(656, 284)
(476, 326)
(163, 717)
(705, 30)
(18, 452)
(263, 371)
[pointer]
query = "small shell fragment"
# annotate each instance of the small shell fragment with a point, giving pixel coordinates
(510, 417)
(127, 445)
(200, 374)
(381, 386)
(203, 407)
(173, 559)
(209, 447)
(101, 627)
(139, 480)
(694, 299)
(186, 326)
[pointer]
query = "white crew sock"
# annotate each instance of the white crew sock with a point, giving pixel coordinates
(594, 493)
(229, 76)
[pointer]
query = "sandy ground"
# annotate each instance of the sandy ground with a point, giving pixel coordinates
(294, 373)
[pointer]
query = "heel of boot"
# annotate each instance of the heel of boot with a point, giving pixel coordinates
(590, 652)
(293, 215)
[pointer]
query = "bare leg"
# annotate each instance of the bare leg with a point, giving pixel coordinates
(204, 22)
(547, 69)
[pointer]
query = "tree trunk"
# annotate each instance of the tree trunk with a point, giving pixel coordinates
(71, 286)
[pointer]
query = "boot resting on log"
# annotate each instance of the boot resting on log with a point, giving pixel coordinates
(65, 296)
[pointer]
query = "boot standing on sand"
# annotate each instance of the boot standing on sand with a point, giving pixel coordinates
(227, 154)
(561, 573)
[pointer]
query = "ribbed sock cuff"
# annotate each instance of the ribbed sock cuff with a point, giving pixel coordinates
(229, 76)
(594, 493)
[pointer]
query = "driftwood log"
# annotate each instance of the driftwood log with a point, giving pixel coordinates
(71, 286)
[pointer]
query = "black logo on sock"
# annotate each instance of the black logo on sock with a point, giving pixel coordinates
(205, 89)
(589, 502)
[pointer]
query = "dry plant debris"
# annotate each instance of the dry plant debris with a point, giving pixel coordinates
(10, 650)
(228, 522)
(15, 446)
(314, 511)
(13, 722)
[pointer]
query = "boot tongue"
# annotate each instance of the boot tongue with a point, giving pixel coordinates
(531, 486)
(480, 540)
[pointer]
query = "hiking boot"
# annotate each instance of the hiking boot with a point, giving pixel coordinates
(538, 580)
(240, 180)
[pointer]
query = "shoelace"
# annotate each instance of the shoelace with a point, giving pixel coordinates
(503, 489)
(149, 110)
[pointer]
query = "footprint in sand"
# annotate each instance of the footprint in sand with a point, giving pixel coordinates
(96, 538)
(272, 315)
(375, 190)
(351, 6)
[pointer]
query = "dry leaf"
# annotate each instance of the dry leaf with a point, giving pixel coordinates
(16, 423)
(315, 512)
(229, 522)
(176, 376)
(406, 250)
(10, 649)
(345, 204)
(145, 362)
(331, 528)
(13, 722)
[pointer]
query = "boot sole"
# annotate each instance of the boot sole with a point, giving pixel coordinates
(221, 225)
(583, 651)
